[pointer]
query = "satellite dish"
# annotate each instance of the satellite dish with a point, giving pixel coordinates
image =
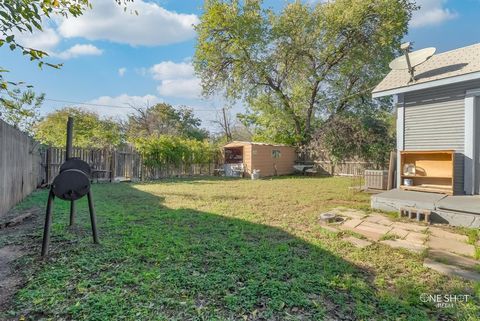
(411, 59)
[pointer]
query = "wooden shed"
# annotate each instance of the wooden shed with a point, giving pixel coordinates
(269, 159)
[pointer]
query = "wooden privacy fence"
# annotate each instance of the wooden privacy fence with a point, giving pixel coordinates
(118, 165)
(20, 166)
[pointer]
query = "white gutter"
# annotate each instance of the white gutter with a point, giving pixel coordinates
(426, 85)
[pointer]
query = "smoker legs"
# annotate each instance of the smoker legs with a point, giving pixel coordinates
(48, 223)
(72, 213)
(48, 220)
(93, 218)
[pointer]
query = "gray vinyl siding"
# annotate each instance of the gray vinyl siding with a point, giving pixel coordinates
(435, 119)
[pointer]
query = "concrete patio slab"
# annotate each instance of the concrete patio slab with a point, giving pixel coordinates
(393, 199)
(467, 204)
(454, 210)
(462, 248)
(451, 270)
(403, 244)
(357, 242)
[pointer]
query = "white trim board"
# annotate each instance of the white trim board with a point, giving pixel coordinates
(471, 141)
(426, 85)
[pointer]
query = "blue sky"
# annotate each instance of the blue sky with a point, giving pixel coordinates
(116, 58)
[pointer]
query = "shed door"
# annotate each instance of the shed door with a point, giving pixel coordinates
(434, 126)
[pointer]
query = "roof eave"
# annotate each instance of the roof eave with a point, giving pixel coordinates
(426, 85)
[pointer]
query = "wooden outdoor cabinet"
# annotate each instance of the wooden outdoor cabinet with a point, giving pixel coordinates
(434, 170)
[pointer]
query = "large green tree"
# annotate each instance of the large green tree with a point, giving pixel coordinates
(164, 119)
(90, 131)
(300, 66)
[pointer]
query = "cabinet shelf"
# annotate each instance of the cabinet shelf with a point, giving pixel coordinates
(426, 176)
(435, 171)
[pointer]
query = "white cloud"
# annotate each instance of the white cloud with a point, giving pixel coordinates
(432, 12)
(176, 79)
(122, 71)
(45, 40)
(119, 106)
(48, 39)
(152, 26)
(169, 70)
(180, 88)
(77, 51)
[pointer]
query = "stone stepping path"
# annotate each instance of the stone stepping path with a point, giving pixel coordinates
(448, 252)
(451, 270)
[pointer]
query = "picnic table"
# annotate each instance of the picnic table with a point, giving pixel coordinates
(303, 168)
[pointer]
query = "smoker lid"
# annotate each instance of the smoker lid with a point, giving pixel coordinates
(76, 163)
(71, 185)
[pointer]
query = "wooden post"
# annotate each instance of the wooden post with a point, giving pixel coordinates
(391, 170)
(112, 166)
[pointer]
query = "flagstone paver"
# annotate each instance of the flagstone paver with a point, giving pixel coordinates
(438, 243)
(435, 231)
(410, 226)
(417, 238)
(454, 259)
(350, 213)
(372, 231)
(446, 250)
(330, 228)
(375, 218)
(357, 242)
(451, 270)
(417, 248)
(399, 232)
(352, 223)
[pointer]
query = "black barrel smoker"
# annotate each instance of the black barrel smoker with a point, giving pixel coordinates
(71, 184)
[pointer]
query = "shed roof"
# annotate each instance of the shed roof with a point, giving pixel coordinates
(243, 143)
(448, 67)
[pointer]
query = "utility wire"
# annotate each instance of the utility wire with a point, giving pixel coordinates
(112, 106)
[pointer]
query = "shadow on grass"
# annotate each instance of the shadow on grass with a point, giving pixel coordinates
(157, 263)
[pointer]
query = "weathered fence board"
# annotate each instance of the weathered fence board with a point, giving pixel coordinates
(20, 166)
(121, 164)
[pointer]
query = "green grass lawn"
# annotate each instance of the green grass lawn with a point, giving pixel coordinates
(218, 249)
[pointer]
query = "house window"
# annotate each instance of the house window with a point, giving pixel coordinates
(276, 153)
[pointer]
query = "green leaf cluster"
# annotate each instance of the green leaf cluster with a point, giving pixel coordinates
(19, 108)
(164, 119)
(90, 131)
(158, 151)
